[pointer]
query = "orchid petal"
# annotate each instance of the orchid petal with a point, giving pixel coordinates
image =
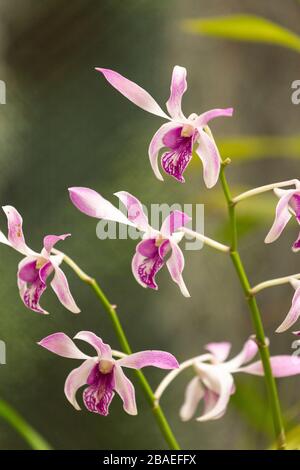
(209, 155)
(32, 283)
(282, 366)
(146, 262)
(15, 231)
(157, 143)
(61, 288)
(293, 313)
(204, 118)
(175, 265)
(62, 345)
(282, 217)
(103, 350)
(135, 210)
(178, 88)
(193, 394)
(248, 352)
(76, 379)
(219, 350)
(160, 359)
(125, 390)
(51, 240)
(174, 221)
(133, 92)
(93, 204)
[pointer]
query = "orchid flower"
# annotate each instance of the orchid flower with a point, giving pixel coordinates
(151, 252)
(35, 268)
(213, 382)
(294, 311)
(103, 374)
(181, 134)
(288, 206)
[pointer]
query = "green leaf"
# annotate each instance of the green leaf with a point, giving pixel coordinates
(254, 147)
(30, 435)
(244, 28)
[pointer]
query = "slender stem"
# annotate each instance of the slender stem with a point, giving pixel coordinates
(30, 435)
(274, 282)
(263, 189)
(206, 240)
(111, 311)
(255, 316)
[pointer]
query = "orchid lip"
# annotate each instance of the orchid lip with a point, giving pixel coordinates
(106, 366)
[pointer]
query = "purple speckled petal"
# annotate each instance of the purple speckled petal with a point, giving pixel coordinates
(295, 205)
(145, 268)
(204, 118)
(293, 313)
(174, 221)
(296, 244)
(161, 359)
(132, 92)
(98, 396)
(15, 231)
(282, 366)
(51, 240)
(135, 211)
(178, 88)
(210, 157)
(282, 216)
(76, 379)
(103, 350)
(193, 395)
(125, 390)
(62, 345)
(32, 283)
(157, 143)
(219, 350)
(93, 204)
(176, 160)
(61, 288)
(175, 265)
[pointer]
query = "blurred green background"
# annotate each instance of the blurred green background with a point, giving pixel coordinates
(64, 126)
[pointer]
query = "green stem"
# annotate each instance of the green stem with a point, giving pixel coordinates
(111, 310)
(31, 436)
(255, 316)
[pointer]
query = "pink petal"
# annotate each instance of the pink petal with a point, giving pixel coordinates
(210, 157)
(175, 265)
(157, 143)
(193, 394)
(93, 204)
(61, 288)
(62, 345)
(103, 350)
(282, 366)
(293, 313)
(219, 350)
(178, 88)
(282, 217)
(133, 92)
(220, 382)
(126, 391)
(135, 210)
(15, 231)
(146, 263)
(174, 221)
(248, 352)
(204, 118)
(51, 240)
(161, 359)
(76, 379)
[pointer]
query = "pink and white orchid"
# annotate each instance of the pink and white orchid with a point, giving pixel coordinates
(152, 251)
(35, 268)
(181, 134)
(103, 374)
(294, 311)
(288, 206)
(214, 383)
